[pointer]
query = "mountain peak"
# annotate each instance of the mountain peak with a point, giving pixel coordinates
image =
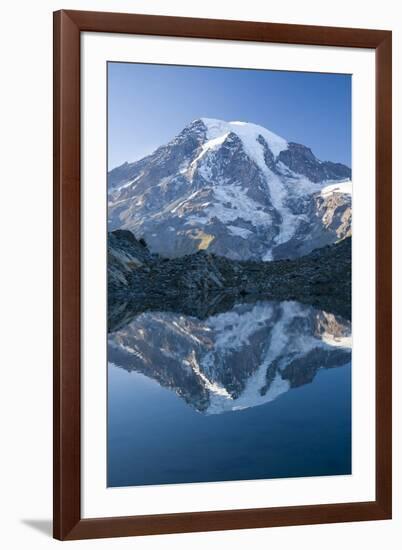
(248, 132)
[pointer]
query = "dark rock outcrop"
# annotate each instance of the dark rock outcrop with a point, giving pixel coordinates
(300, 159)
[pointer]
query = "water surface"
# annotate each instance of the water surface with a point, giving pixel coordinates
(262, 390)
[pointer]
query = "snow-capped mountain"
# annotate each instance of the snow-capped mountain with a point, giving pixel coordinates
(234, 188)
(241, 358)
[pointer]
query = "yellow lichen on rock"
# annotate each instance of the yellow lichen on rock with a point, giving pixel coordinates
(204, 238)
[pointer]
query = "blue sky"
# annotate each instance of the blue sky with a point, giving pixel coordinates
(149, 104)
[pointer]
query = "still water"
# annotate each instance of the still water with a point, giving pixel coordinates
(260, 391)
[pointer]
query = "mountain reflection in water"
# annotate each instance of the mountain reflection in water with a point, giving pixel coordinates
(231, 360)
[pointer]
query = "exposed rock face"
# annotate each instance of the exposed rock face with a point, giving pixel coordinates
(335, 210)
(125, 253)
(332, 211)
(234, 189)
(241, 358)
(301, 160)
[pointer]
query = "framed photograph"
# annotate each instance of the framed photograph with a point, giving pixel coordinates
(222, 269)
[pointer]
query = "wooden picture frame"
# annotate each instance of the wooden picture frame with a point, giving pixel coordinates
(68, 25)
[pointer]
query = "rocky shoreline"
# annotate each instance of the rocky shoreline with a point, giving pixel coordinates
(200, 284)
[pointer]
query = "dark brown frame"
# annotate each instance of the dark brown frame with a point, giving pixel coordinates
(68, 26)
